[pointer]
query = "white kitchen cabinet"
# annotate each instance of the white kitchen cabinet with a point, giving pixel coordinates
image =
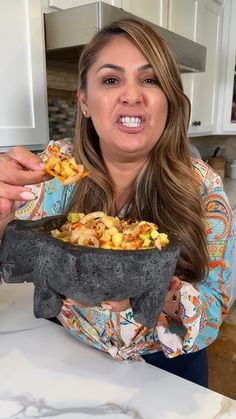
(152, 10)
(227, 99)
(67, 4)
(23, 99)
(155, 11)
(201, 21)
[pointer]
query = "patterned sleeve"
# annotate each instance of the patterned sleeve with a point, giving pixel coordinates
(214, 290)
(204, 306)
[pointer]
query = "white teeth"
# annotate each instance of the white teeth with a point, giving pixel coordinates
(131, 121)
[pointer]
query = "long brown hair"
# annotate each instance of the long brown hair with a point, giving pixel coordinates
(166, 191)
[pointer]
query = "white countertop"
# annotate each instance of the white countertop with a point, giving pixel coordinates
(45, 372)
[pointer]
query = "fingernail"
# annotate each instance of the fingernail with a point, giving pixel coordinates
(28, 196)
(42, 166)
(106, 306)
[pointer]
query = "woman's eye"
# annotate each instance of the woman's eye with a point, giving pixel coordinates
(110, 80)
(150, 80)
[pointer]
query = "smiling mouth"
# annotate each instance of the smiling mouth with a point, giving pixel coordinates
(130, 121)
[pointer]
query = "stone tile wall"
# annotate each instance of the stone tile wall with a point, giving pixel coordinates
(62, 102)
(62, 116)
(207, 145)
(62, 75)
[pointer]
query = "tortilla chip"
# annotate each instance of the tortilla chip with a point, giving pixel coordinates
(63, 167)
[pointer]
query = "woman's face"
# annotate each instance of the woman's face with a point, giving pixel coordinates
(124, 101)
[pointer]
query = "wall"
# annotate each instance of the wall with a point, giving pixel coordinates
(62, 80)
(207, 145)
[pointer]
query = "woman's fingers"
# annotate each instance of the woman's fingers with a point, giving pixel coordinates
(117, 306)
(172, 300)
(10, 195)
(15, 193)
(175, 286)
(27, 159)
(6, 207)
(18, 167)
(175, 283)
(70, 302)
(12, 175)
(21, 167)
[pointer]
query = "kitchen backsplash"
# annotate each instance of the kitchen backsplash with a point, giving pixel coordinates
(61, 114)
(62, 75)
(62, 79)
(207, 145)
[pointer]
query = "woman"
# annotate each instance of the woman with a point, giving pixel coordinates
(131, 135)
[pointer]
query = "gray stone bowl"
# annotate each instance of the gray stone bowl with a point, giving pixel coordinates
(28, 253)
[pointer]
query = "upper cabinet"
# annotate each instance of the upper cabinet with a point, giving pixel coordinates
(23, 99)
(227, 100)
(155, 11)
(201, 21)
(67, 4)
(152, 10)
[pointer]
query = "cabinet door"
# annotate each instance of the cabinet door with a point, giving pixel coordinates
(202, 22)
(155, 11)
(182, 16)
(227, 100)
(67, 4)
(23, 99)
(182, 20)
(206, 85)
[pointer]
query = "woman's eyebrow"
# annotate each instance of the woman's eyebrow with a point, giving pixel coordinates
(112, 66)
(121, 69)
(145, 67)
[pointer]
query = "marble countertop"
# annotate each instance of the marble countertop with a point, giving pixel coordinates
(230, 189)
(45, 372)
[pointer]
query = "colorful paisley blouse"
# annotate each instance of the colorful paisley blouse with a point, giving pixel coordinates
(203, 306)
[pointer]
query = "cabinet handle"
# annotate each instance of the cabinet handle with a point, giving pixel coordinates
(196, 123)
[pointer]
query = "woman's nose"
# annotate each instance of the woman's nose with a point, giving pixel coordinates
(131, 94)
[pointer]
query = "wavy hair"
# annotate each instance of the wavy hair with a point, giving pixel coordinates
(166, 191)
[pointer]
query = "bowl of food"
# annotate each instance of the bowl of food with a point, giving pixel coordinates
(91, 258)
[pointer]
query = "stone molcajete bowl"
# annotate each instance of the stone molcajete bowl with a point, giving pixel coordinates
(29, 254)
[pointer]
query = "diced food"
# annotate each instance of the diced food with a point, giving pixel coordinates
(102, 231)
(63, 167)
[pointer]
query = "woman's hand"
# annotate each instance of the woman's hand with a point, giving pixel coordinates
(171, 306)
(120, 305)
(68, 302)
(18, 167)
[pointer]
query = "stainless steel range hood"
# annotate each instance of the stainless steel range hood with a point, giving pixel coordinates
(66, 32)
